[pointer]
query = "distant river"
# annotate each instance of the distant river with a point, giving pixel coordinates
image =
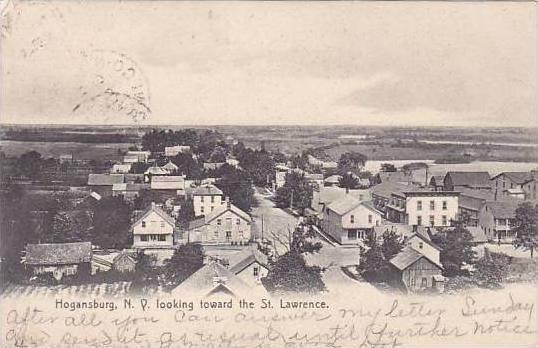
(457, 142)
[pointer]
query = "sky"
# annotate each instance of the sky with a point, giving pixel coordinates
(274, 63)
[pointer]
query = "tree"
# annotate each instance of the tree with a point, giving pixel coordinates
(392, 244)
(301, 241)
(351, 162)
(236, 185)
(296, 192)
(139, 167)
(111, 221)
(146, 274)
(526, 227)
(388, 167)
(186, 213)
(186, 260)
(492, 269)
(30, 165)
(348, 181)
(290, 273)
(372, 264)
(456, 250)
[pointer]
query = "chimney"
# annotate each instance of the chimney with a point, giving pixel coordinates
(347, 190)
(415, 228)
(153, 204)
(227, 200)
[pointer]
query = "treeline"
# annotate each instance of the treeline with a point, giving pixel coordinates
(43, 135)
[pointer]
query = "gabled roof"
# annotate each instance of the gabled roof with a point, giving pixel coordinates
(385, 189)
(407, 257)
(156, 171)
(159, 211)
(129, 187)
(438, 179)
(397, 177)
(168, 183)
(333, 179)
(58, 253)
(471, 179)
(404, 230)
(246, 259)
(348, 203)
(517, 177)
(207, 190)
(170, 166)
(124, 255)
(105, 179)
(221, 209)
(505, 209)
(209, 277)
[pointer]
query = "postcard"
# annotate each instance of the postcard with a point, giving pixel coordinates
(259, 174)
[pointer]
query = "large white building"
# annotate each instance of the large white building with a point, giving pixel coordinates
(423, 208)
(349, 219)
(206, 199)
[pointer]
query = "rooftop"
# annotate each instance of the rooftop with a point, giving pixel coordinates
(207, 190)
(58, 253)
(105, 179)
(471, 179)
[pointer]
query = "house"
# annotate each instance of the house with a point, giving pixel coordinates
(232, 161)
(213, 166)
(250, 266)
(280, 175)
(437, 182)
(405, 178)
(67, 158)
(205, 199)
(133, 178)
(170, 167)
(325, 164)
(153, 172)
(349, 219)
(131, 159)
(324, 196)
(455, 181)
(521, 185)
(124, 262)
(423, 207)
(212, 279)
(102, 183)
(333, 180)
(128, 191)
(141, 156)
(58, 259)
(382, 193)
(174, 183)
(120, 168)
(471, 202)
(171, 151)
(225, 225)
(416, 271)
(154, 229)
(497, 218)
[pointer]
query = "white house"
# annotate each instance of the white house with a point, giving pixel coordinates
(250, 266)
(423, 208)
(349, 219)
(226, 225)
(171, 151)
(120, 168)
(172, 182)
(154, 229)
(497, 219)
(170, 167)
(141, 156)
(206, 199)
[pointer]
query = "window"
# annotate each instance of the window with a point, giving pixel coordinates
(201, 209)
(219, 222)
(352, 219)
(153, 237)
(162, 223)
(255, 271)
(212, 199)
(444, 205)
(202, 199)
(419, 220)
(162, 238)
(419, 205)
(445, 220)
(351, 234)
(144, 238)
(432, 205)
(420, 245)
(241, 236)
(212, 207)
(502, 222)
(432, 220)
(369, 218)
(143, 224)
(216, 234)
(228, 235)
(424, 283)
(238, 221)
(511, 185)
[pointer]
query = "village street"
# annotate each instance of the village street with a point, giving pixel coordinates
(275, 224)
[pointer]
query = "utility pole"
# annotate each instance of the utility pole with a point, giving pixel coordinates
(291, 200)
(262, 228)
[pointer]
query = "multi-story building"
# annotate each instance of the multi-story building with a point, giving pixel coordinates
(455, 181)
(497, 219)
(349, 219)
(206, 199)
(520, 185)
(154, 229)
(423, 208)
